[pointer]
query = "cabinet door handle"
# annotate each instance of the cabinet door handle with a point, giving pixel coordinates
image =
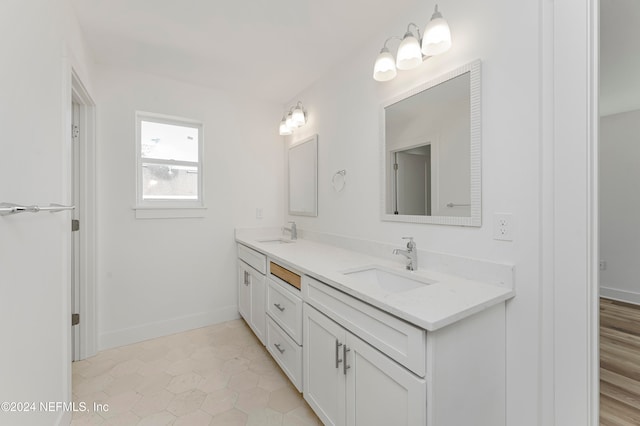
(280, 307)
(277, 345)
(338, 360)
(345, 367)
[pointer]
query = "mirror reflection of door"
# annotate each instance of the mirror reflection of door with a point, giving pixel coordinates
(413, 181)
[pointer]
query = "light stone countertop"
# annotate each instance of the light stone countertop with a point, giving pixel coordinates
(449, 299)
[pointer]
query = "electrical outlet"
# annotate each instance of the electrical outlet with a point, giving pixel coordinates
(503, 226)
(603, 265)
(259, 213)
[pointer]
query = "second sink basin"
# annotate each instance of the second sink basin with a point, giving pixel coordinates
(276, 241)
(387, 279)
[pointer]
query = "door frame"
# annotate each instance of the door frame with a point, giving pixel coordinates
(87, 214)
(573, 214)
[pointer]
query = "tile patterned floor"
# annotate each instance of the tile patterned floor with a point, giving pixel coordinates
(217, 375)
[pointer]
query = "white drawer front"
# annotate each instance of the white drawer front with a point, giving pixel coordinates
(286, 309)
(400, 340)
(257, 260)
(286, 352)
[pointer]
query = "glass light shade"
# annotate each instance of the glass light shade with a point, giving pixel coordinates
(437, 35)
(385, 66)
(298, 116)
(290, 123)
(284, 129)
(409, 54)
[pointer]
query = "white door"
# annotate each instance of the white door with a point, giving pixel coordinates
(324, 373)
(380, 392)
(75, 235)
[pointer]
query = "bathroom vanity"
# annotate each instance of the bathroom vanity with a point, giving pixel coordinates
(369, 343)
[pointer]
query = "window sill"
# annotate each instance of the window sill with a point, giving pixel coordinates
(169, 212)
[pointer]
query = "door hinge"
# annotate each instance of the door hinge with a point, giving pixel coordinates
(75, 225)
(75, 319)
(395, 166)
(75, 131)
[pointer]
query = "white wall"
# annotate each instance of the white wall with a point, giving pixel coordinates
(160, 276)
(344, 110)
(619, 205)
(40, 40)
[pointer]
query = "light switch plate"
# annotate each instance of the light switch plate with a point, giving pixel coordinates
(503, 226)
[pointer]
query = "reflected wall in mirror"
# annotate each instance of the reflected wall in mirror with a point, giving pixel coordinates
(431, 151)
(303, 177)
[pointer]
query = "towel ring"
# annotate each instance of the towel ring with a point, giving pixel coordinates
(339, 180)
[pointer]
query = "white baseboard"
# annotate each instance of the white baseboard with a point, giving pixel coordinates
(148, 331)
(621, 295)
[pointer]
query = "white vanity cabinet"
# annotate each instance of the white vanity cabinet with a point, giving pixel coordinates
(362, 361)
(348, 382)
(252, 290)
(362, 365)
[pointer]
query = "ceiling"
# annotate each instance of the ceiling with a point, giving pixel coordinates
(619, 56)
(270, 49)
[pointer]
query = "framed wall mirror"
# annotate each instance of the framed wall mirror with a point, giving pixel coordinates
(303, 177)
(431, 151)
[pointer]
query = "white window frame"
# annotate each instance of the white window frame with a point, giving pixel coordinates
(168, 208)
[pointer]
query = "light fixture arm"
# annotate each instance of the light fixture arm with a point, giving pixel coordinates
(417, 30)
(384, 46)
(436, 13)
(299, 105)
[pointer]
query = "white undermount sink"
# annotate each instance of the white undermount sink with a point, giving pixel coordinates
(276, 241)
(387, 279)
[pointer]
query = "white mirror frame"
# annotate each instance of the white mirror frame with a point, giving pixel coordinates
(313, 140)
(475, 219)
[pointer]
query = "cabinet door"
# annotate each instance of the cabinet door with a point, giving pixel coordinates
(324, 376)
(244, 291)
(379, 391)
(258, 320)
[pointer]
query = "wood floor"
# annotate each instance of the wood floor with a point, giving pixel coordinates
(619, 363)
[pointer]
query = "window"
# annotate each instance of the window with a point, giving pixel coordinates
(169, 162)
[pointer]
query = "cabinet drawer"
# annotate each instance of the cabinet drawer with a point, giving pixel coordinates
(286, 352)
(257, 260)
(286, 309)
(398, 339)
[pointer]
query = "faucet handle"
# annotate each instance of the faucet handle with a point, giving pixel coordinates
(411, 244)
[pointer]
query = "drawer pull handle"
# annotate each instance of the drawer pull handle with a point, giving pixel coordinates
(345, 367)
(277, 345)
(280, 307)
(338, 360)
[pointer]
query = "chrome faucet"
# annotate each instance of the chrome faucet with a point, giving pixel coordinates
(293, 230)
(411, 253)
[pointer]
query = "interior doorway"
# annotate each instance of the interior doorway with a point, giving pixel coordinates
(83, 189)
(619, 201)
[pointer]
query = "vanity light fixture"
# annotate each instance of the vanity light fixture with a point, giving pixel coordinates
(294, 118)
(437, 35)
(284, 129)
(413, 50)
(409, 52)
